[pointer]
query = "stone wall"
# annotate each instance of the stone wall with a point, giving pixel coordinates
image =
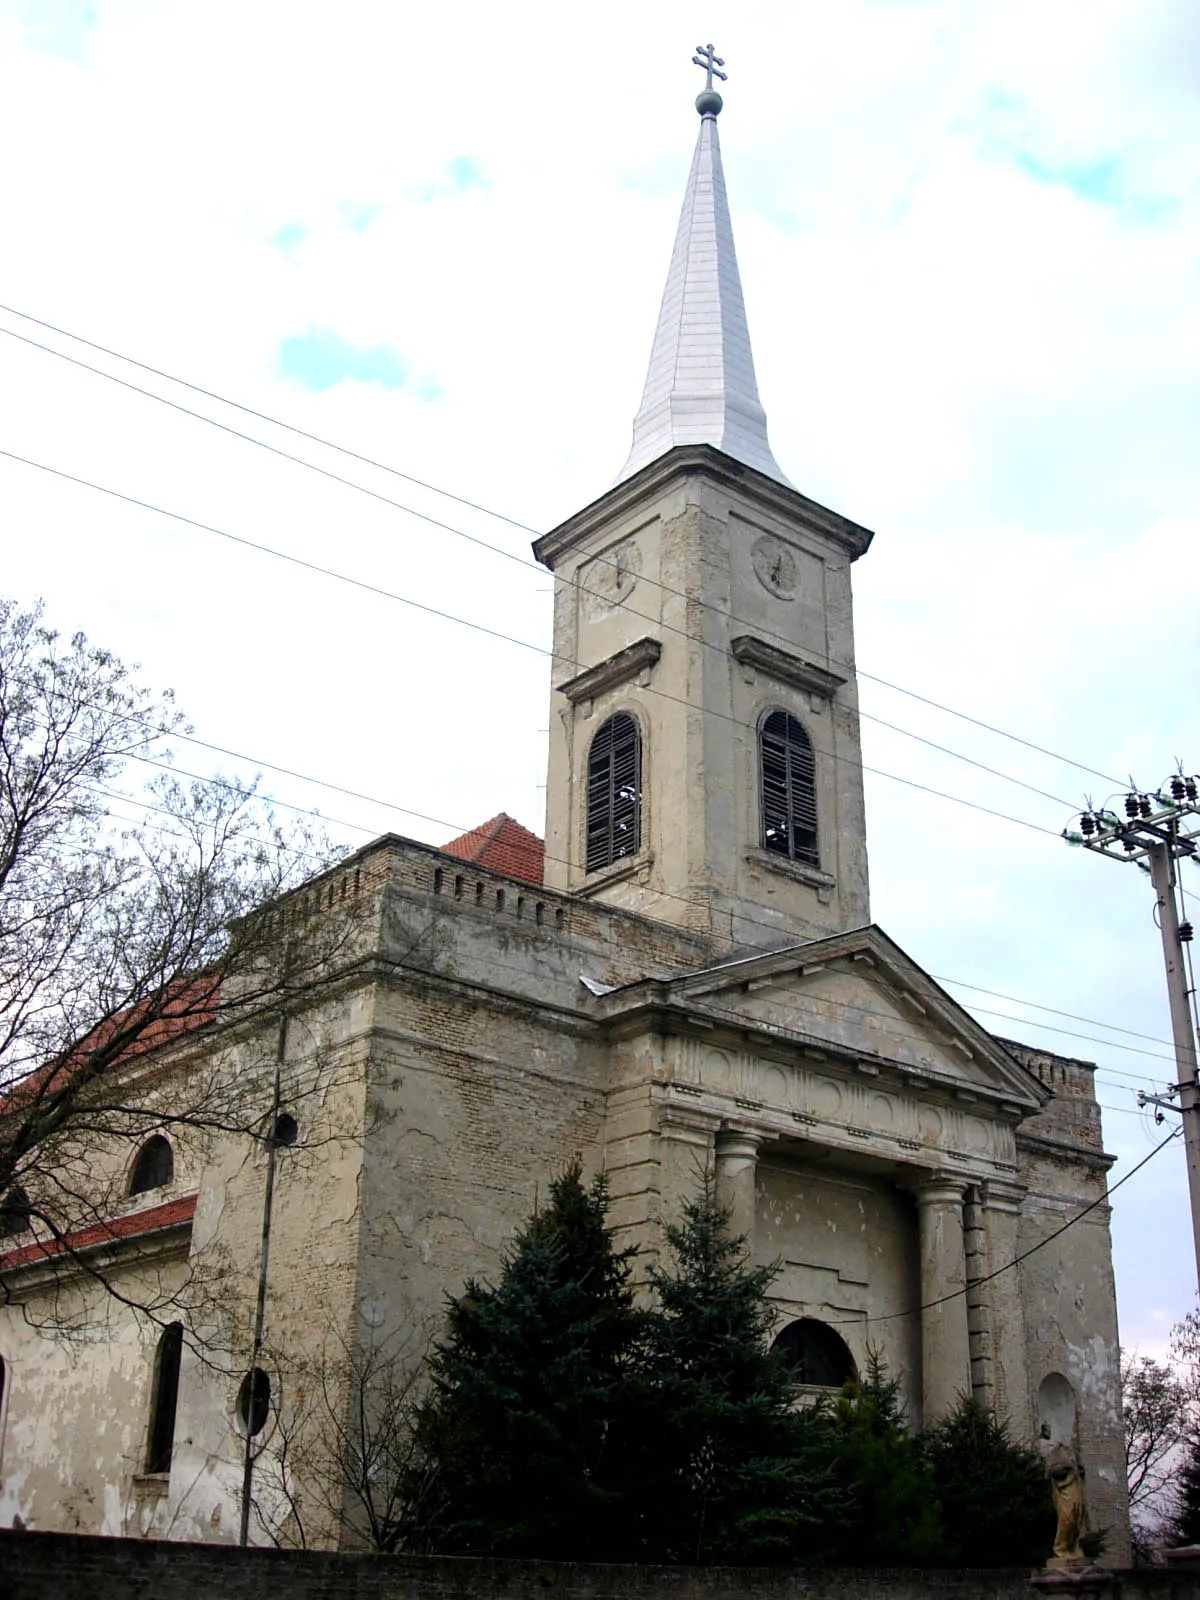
(50, 1566)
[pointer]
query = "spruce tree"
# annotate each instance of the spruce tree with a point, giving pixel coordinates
(997, 1509)
(727, 1470)
(512, 1441)
(1184, 1526)
(893, 1517)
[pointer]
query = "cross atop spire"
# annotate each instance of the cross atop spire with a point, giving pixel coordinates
(712, 63)
(701, 388)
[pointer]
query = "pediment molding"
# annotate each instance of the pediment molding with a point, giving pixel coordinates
(983, 1074)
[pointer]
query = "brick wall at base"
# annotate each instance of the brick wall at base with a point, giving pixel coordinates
(58, 1566)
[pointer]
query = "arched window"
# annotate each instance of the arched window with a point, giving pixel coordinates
(164, 1398)
(254, 1401)
(789, 790)
(153, 1166)
(814, 1353)
(14, 1214)
(614, 792)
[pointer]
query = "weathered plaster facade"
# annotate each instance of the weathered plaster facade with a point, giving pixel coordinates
(698, 1003)
(870, 1137)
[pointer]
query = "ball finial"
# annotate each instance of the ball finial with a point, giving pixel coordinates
(708, 101)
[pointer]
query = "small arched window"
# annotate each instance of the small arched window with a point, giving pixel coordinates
(614, 792)
(14, 1214)
(153, 1166)
(789, 791)
(814, 1353)
(164, 1398)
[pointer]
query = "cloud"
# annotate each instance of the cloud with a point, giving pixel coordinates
(289, 239)
(462, 174)
(358, 216)
(56, 27)
(321, 359)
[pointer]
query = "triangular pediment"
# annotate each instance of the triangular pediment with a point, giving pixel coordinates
(859, 998)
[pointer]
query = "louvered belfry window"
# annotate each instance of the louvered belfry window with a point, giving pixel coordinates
(789, 790)
(614, 796)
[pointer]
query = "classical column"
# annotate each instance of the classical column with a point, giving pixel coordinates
(945, 1340)
(737, 1157)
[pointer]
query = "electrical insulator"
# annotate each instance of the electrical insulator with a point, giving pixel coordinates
(1129, 845)
(1144, 805)
(1131, 805)
(1185, 933)
(1177, 789)
(1189, 788)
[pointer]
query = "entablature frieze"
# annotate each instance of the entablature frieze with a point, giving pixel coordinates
(794, 1103)
(775, 1046)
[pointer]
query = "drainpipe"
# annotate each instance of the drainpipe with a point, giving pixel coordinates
(263, 1257)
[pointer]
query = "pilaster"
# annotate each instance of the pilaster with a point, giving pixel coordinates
(1000, 1213)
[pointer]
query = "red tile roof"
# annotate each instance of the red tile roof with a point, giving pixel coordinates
(134, 1226)
(187, 1004)
(502, 845)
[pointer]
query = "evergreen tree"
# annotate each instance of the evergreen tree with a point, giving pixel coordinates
(894, 1517)
(997, 1509)
(1184, 1525)
(726, 1469)
(512, 1441)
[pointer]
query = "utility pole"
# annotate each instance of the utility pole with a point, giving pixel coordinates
(1157, 831)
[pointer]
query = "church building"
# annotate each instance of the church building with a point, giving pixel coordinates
(683, 978)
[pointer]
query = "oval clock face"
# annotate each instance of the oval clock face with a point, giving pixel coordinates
(775, 567)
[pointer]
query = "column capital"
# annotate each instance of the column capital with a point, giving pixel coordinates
(941, 1189)
(735, 1142)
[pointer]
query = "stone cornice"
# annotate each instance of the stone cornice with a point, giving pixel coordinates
(784, 667)
(627, 663)
(1064, 1150)
(702, 460)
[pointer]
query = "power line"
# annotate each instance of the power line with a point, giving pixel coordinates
(473, 505)
(455, 827)
(494, 633)
(445, 527)
(960, 983)
(842, 1005)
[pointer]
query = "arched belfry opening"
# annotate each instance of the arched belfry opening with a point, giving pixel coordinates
(614, 792)
(788, 789)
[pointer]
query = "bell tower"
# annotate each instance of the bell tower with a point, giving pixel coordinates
(705, 765)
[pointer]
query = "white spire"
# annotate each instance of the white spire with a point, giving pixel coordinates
(700, 388)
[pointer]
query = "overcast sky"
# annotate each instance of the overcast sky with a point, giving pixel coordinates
(969, 237)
